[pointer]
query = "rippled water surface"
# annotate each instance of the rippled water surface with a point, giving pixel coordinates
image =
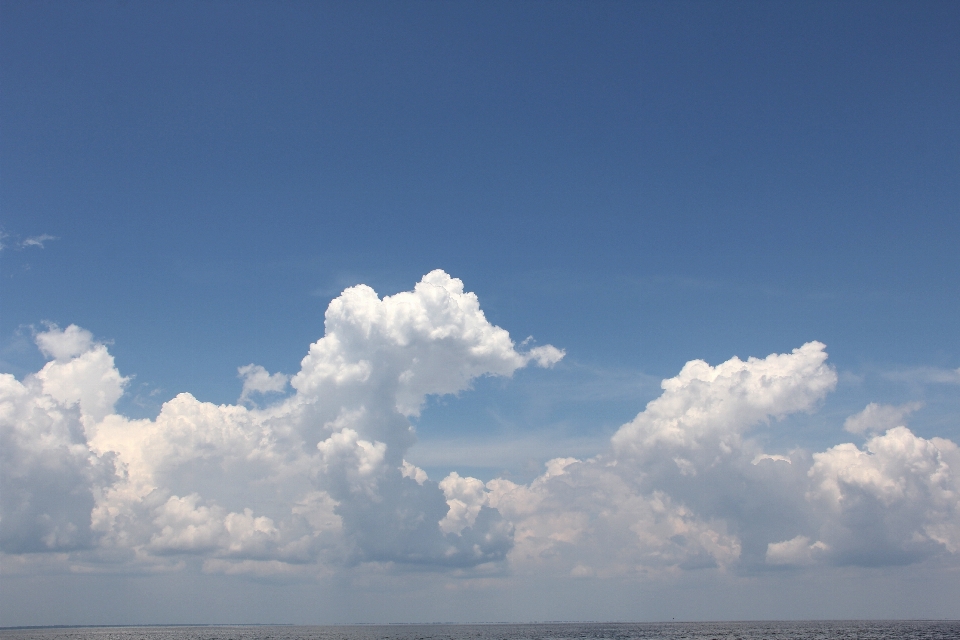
(642, 631)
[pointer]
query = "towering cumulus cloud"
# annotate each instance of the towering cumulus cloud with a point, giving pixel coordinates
(317, 477)
(316, 481)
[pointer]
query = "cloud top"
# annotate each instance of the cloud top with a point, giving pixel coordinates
(65, 344)
(430, 341)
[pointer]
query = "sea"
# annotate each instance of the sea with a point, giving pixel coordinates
(826, 630)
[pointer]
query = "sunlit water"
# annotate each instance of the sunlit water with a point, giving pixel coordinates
(833, 630)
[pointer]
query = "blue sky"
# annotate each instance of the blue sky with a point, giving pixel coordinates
(640, 185)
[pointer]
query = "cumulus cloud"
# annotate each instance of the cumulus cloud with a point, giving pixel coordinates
(704, 403)
(894, 501)
(317, 480)
(669, 493)
(83, 373)
(430, 341)
(546, 356)
(465, 497)
(687, 485)
(591, 515)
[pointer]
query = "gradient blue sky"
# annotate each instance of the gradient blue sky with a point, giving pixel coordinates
(640, 184)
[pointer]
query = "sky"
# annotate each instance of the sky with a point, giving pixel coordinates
(411, 312)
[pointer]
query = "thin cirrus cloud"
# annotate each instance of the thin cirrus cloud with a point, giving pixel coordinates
(37, 241)
(925, 375)
(317, 481)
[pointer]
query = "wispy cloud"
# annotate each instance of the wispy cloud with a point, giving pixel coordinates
(8, 240)
(37, 241)
(877, 418)
(925, 375)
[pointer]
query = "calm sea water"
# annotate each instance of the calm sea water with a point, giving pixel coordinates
(833, 630)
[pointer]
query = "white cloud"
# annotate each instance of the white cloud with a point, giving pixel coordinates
(412, 471)
(82, 373)
(767, 456)
(321, 478)
(894, 501)
(351, 460)
(37, 241)
(722, 402)
(879, 417)
(546, 356)
(430, 341)
(183, 525)
(590, 513)
(66, 344)
(465, 497)
(695, 489)
(316, 477)
(49, 478)
(256, 379)
(656, 500)
(796, 551)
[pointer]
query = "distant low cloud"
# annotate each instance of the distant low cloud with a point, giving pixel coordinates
(317, 481)
(796, 551)
(879, 417)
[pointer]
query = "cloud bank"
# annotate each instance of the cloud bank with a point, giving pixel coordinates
(313, 480)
